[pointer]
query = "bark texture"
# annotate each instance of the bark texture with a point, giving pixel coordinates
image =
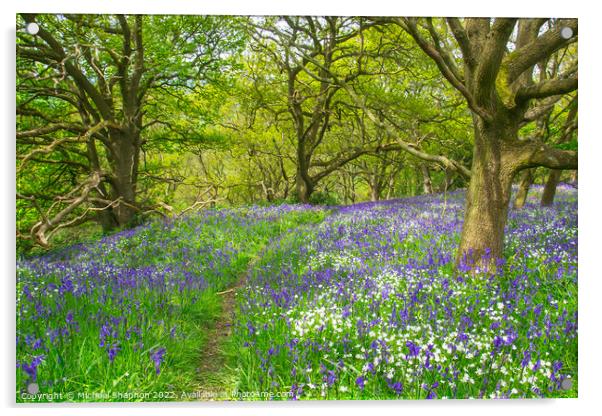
(549, 190)
(487, 201)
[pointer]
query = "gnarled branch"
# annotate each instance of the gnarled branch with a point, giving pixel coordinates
(547, 88)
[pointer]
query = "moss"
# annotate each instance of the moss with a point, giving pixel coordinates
(503, 88)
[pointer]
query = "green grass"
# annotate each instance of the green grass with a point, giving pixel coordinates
(167, 310)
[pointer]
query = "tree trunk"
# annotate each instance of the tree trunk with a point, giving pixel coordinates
(285, 192)
(268, 191)
(105, 217)
(549, 190)
(391, 187)
(304, 188)
(107, 220)
(124, 186)
(427, 185)
(374, 194)
(125, 209)
(487, 201)
(523, 188)
(374, 188)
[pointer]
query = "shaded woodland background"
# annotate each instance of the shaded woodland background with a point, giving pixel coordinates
(120, 118)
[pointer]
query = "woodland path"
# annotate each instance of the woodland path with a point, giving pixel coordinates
(215, 376)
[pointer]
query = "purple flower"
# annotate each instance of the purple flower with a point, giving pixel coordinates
(251, 328)
(360, 382)
(105, 332)
(112, 352)
(397, 387)
(157, 356)
(498, 342)
(537, 365)
(385, 292)
(526, 358)
(296, 391)
(431, 390)
(32, 369)
(414, 349)
(511, 336)
(330, 377)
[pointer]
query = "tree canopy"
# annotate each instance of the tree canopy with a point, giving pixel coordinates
(122, 117)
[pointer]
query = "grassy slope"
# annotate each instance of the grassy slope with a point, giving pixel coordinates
(330, 307)
(150, 288)
(295, 254)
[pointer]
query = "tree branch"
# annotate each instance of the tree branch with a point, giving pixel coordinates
(81, 80)
(543, 46)
(542, 108)
(491, 55)
(534, 153)
(39, 230)
(409, 25)
(547, 88)
(462, 38)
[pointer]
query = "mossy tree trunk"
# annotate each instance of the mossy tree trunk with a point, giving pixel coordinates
(499, 86)
(304, 187)
(487, 199)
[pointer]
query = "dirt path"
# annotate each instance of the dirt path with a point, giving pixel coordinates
(215, 377)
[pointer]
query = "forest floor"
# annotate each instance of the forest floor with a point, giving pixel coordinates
(296, 302)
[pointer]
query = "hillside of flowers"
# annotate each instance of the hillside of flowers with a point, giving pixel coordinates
(130, 312)
(351, 302)
(367, 305)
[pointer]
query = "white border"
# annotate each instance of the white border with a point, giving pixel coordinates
(590, 177)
